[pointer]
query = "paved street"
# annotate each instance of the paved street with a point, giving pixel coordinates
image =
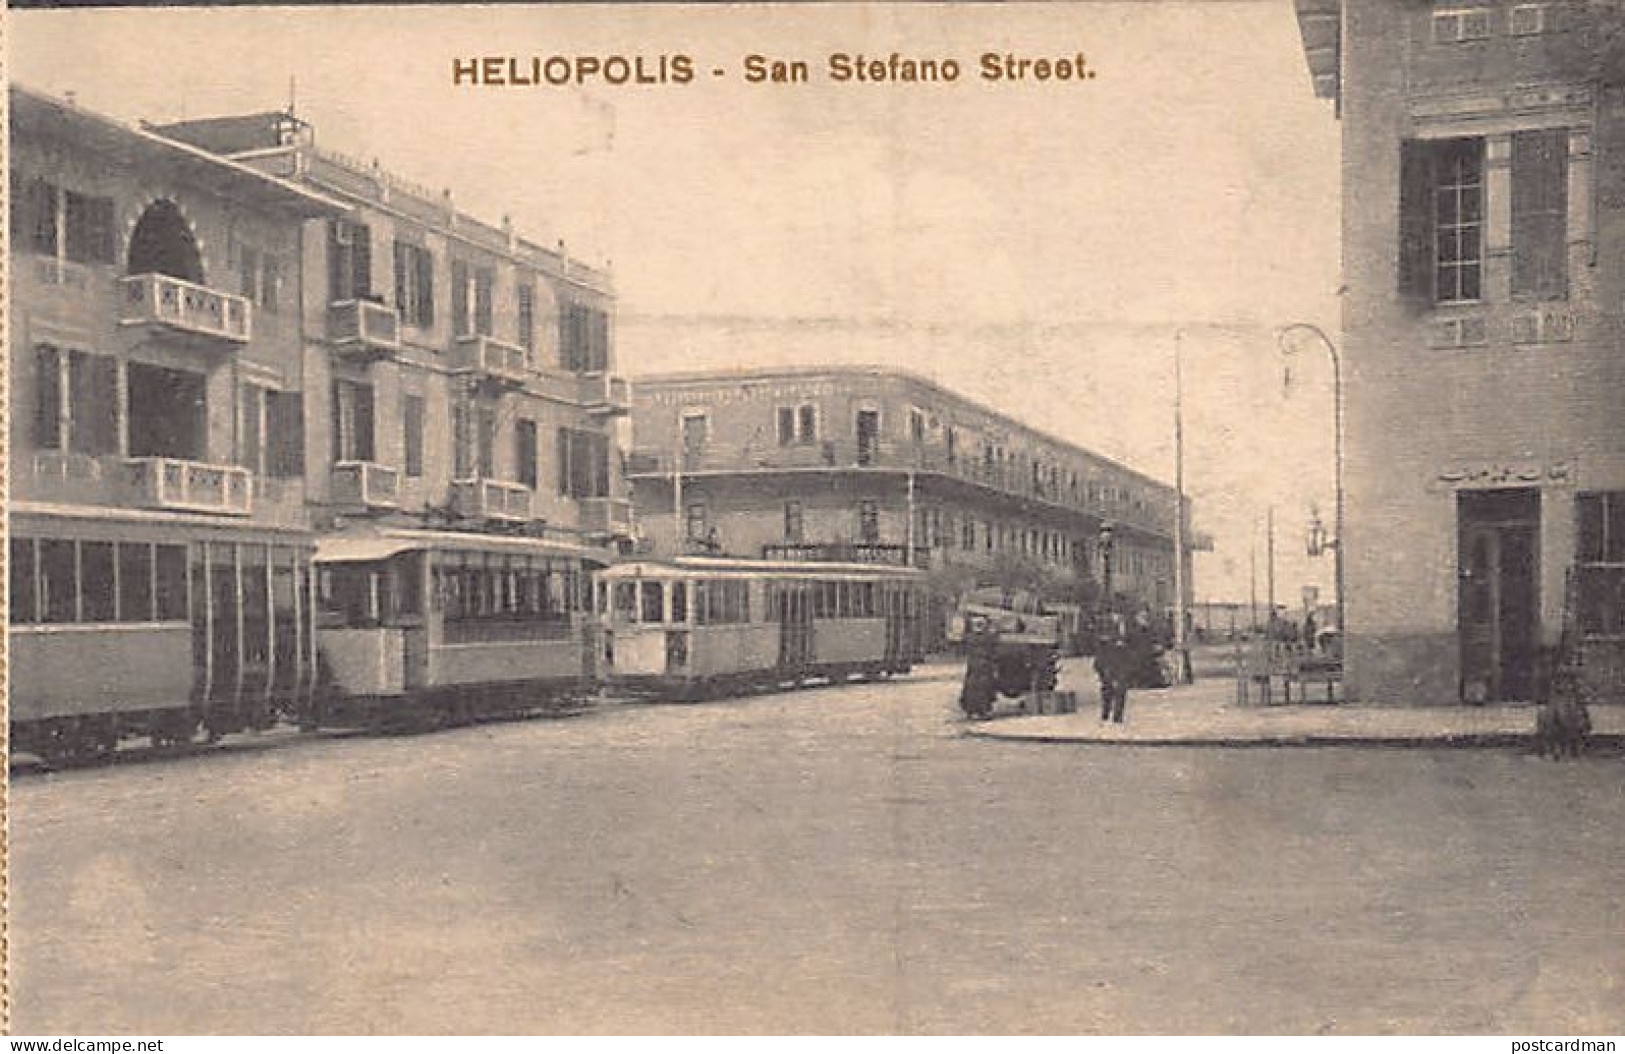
(826, 861)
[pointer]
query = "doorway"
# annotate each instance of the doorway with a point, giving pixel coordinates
(1498, 547)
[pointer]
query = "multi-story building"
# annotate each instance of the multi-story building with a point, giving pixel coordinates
(458, 374)
(151, 284)
(227, 346)
(1484, 314)
(878, 464)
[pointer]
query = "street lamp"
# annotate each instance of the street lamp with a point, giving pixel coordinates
(1106, 563)
(1338, 543)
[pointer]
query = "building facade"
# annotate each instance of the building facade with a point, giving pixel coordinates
(457, 373)
(1484, 312)
(877, 464)
(227, 346)
(151, 284)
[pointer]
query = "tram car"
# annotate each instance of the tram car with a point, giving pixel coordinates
(697, 627)
(162, 624)
(419, 627)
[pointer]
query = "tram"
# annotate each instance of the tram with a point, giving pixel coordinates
(124, 622)
(441, 627)
(695, 627)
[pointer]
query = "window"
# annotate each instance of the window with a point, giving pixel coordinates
(251, 427)
(412, 427)
(37, 216)
(414, 284)
(948, 442)
(807, 423)
(168, 412)
(21, 581)
(527, 317)
(87, 228)
(793, 522)
(462, 442)
(484, 288)
(486, 418)
(1527, 20)
(284, 434)
(868, 522)
(349, 261)
(352, 421)
(722, 601)
(1455, 27)
(135, 582)
(679, 601)
(98, 600)
(62, 580)
(916, 424)
(787, 425)
(524, 434)
(652, 601)
(87, 422)
(1458, 216)
(583, 463)
(1540, 203)
(583, 338)
(1441, 223)
(1600, 555)
(259, 277)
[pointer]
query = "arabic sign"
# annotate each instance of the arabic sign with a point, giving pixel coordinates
(1491, 474)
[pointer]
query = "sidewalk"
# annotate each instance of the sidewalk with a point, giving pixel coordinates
(1206, 714)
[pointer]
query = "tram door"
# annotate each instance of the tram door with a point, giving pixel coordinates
(215, 623)
(1498, 593)
(795, 628)
(896, 623)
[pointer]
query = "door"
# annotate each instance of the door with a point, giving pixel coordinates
(1498, 596)
(795, 629)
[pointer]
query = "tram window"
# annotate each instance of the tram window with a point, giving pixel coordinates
(58, 587)
(23, 608)
(99, 601)
(406, 575)
(652, 601)
(171, 575)
(679, 602)
(134, 582)
(626, 599)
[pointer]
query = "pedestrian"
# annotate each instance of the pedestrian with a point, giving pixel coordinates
(1309, 631)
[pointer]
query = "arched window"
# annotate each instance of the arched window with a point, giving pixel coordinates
(162, 243)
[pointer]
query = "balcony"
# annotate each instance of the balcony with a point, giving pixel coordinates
(612, 516)
(605, 395)
(177, 306)
(190, 486)
(492, 360)
(365, 485)
(364, 330)
(490, 499)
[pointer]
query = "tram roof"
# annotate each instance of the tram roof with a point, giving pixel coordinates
(355, 549)
(714, 565)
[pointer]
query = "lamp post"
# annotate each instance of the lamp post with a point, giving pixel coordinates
(1106, 565)
(1339, 542)
(1181, 645)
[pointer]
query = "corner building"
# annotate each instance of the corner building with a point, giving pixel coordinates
(458, 375)
(876, 464)
(1483, 228)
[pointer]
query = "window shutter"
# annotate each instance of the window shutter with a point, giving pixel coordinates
(336, 290)
(338, 421)
(459, 299)
(285, 434)
(363, 423)
(1415, 222)
(401, 264)
(425, 269)
(1539, 214)
(361, 249)
(564, 460)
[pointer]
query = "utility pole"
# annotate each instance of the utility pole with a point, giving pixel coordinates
(1252, 580)
(1269, 564)
(1180, 643)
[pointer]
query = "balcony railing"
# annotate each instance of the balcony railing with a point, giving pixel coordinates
(491, 359)
(602, 393)
(490, 499)
(365, 485)
(606, 516)
(184, 307)
(847, 553)
(364, 329)
(190, 486)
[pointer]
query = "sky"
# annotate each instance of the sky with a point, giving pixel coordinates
(1040, 247)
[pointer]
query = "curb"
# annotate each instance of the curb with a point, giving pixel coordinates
(1465, 740)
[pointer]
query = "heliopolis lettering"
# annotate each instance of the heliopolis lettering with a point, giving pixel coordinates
(523, 71)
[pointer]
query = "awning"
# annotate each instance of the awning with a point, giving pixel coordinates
(361, 550)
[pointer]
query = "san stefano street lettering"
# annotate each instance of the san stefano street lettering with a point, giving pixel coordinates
(840, 67)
